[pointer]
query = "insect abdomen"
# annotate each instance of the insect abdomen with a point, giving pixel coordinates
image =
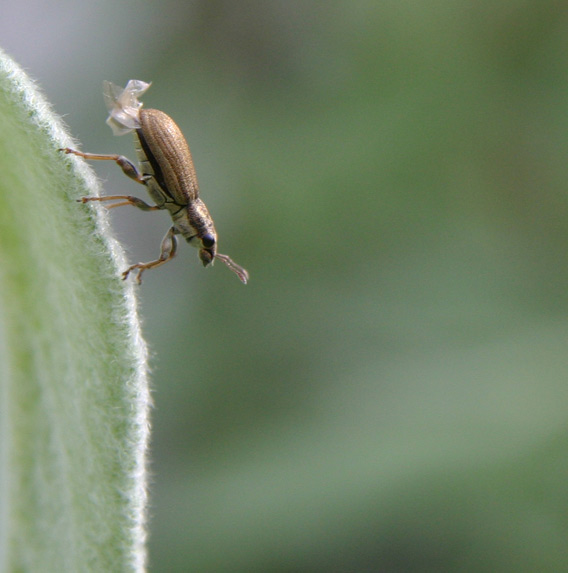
(168, 153)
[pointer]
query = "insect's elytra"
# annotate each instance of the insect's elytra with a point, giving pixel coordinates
(166, 169)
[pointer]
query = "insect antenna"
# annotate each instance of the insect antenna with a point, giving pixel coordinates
(237, 269)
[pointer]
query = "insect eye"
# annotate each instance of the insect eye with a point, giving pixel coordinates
(208, 241)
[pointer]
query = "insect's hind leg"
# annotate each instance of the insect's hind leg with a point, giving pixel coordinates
(167, 252)
(128, 168)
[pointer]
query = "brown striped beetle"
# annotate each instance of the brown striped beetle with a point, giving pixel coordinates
(166, 169)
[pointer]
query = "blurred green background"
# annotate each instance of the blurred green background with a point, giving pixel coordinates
(389, 393)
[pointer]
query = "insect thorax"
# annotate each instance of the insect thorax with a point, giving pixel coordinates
(194, 221)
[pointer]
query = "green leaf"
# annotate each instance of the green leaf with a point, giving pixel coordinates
(74, 396)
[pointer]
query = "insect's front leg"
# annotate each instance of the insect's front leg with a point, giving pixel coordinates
(167, 252)
(128, 168)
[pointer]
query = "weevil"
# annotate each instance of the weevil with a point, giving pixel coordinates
(166, 170)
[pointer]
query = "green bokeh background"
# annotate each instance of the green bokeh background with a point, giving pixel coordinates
(390, 392)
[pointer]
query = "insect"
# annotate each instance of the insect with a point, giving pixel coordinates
(166, 170)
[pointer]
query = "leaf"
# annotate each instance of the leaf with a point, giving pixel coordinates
(74, 397)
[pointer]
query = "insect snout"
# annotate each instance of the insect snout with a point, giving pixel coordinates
(207, 245)
(206, 256)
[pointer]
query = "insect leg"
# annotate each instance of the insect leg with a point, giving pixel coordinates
(127, 200)
(167, 252)
(128, 168)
